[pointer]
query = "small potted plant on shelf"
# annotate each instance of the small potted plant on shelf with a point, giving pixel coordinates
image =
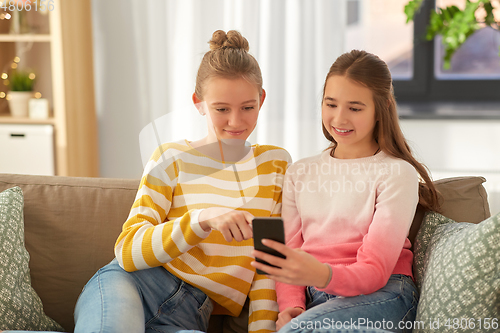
(21, 84)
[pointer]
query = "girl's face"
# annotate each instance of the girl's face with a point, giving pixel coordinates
(348, 113)
(231, 106)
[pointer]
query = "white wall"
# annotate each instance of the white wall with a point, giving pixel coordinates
(116, 90)
(146, 55)
(461, 147)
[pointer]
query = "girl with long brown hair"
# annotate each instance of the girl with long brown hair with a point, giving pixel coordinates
(348, 211)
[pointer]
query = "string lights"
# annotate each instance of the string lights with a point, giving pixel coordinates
(4, 16)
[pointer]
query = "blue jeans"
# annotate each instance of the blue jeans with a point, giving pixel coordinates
(151, 300)
(390, 309)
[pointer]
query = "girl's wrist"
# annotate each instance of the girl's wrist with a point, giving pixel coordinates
(329, 277)
(204, 225)
(202, 220)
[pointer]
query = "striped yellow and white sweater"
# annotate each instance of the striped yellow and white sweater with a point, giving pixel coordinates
(163, 228)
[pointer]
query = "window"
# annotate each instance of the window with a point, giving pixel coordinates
(476, 59)
(475, 72)
(379, 27)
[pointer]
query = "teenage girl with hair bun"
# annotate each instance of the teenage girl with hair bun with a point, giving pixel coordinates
(348, 212)
(184, 252)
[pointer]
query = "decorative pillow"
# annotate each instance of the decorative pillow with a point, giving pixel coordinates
(458, 273)
(20, 306)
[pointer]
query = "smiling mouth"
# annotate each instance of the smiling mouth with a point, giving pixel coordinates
(341, 131)
(234, 132)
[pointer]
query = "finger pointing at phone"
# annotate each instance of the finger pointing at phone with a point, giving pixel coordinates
(298, 268)
(233, 224)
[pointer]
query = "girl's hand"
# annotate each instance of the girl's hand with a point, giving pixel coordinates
(231, 223)
(299, 268)
(287, 315)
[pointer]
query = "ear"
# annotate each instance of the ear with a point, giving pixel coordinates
(197, 104)
(262, 98)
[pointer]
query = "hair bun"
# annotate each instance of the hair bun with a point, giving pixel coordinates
(232, 40)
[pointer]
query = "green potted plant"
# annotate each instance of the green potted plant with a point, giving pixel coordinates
(21, 83)
(455, 24)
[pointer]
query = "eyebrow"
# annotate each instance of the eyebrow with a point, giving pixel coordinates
(331, 99)
(245, 102)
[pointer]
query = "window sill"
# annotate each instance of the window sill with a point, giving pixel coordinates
(449, 110)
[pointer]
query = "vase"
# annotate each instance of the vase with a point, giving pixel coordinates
(19, 22)
(19, 103)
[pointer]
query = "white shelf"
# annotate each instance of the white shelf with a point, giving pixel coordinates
(25, 38)
(8, 119)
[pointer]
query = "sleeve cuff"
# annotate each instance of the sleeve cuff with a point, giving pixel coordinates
(195, 224)
(292, 304)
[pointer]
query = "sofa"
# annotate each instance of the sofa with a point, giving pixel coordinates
(71, 224)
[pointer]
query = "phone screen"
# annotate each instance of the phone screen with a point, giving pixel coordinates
(270, 228)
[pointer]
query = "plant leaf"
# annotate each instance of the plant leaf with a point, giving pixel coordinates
(411, 8)
(20, 81)
(489, 19)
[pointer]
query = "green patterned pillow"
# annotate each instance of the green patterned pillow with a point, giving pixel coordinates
(458, 273)
(20, 306)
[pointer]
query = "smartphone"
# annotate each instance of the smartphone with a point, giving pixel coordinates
(270, 228)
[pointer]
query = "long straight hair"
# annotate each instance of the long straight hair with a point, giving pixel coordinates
(370, 71)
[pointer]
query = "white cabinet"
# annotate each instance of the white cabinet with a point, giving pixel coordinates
(27, 149)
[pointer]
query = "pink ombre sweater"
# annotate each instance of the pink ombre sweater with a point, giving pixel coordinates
(353, 214)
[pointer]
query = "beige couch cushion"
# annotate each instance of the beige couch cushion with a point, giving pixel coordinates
(464, 200)
(71, 225)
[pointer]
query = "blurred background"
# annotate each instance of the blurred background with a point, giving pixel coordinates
(125, 63)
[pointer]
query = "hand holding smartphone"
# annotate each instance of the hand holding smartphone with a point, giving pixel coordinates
(270, 228)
